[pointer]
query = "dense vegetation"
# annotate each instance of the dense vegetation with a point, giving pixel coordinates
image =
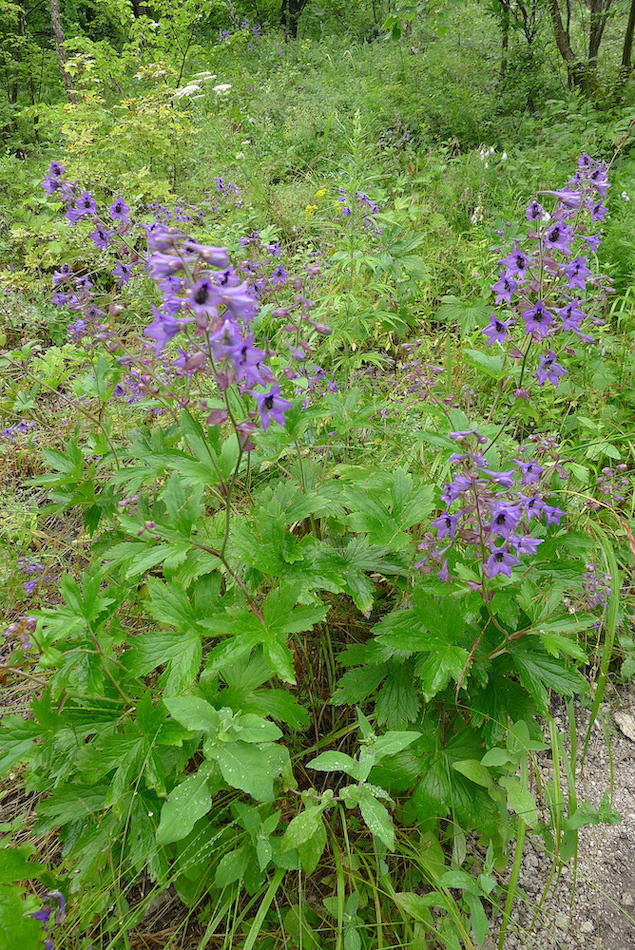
(317, 421)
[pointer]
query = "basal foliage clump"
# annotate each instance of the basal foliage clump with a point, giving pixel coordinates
(259, 685)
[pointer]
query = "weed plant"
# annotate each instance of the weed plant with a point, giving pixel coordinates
(339, 499)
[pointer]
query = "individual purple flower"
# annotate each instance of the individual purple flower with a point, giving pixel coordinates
(505, 479)
(537, 320)
(500, 562)
(599, 180)
(535, 211)
(85, 205)
(204, 297)
(63, 275)
(593, 242)
(517, 262)
(444, 573)
(249, 363)
(123, 272)
(119, 210)
(525, 544)
(214, 256)
(505, 287)
(461, 436)
(577, 273)
(550, 370)
(497, 330)
(568, 198)
(571, 315)
(279, 276)
(534, 506)
(599, 211)
(163, 329)
(553, 515)
(558, 237)
(101, 237)
(271, 406)
(531, 471)
(453, 490)
(504, 521)
(446, 524)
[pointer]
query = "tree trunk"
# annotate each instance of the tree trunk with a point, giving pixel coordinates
(599, 15)
(628, 39)
(576, 70)
(61, 50)
(505, 13)
(290, 14)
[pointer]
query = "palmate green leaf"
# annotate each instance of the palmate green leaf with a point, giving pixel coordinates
(180, 651)
(186, 803)
(539, 673)
(16, 866)
(435, 671)
(17, 737)
(398, 701)
(250, 768)
(358, 684)
(194, 713)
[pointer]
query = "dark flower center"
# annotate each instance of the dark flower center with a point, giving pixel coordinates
(268, 402)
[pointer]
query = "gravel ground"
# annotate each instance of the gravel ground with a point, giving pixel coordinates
(591, 907)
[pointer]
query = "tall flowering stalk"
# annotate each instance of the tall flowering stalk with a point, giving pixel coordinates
(550, 291)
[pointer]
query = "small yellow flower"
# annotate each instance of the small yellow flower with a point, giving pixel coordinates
(320, 193)
(309, 211)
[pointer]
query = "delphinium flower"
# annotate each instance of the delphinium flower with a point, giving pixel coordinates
(493, 518)
(541, 274)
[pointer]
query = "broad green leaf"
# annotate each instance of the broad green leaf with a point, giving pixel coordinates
(193, 713)
(250, 768)
(186, 803)
(393, 742)
(520, 800)
(335, 762)
(301, 828)
(435, 671)
(377, 817)
(475, 771)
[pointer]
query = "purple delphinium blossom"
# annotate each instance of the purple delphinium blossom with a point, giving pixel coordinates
(549, 369)
(271, 406)
(123, 272)
(553, 515)
(537, 320)
(119, 210)
(446, 524)
(505, 519)
(531, 471)
(592, 241)
(500, 561)
(163, 328)
(571, 315)
(525, 545)
(101, 237)
(517, 263)
(558, 238)
(497, 330)
(577, 273)
(85, 205)
(279, 276)
(534, 211)
(506, 287)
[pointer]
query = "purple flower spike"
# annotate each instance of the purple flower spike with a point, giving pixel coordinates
(550, 370)
(500, 562)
